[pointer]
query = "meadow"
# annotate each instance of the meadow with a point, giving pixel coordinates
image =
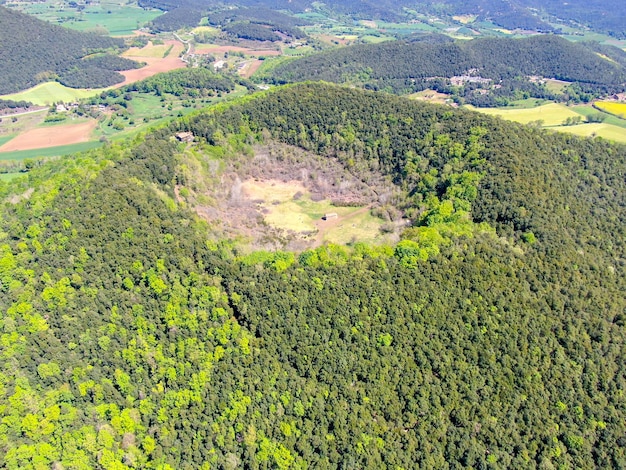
(288, 206)
(49, 152)
(116, 18)
(47, 93)
(553, 115)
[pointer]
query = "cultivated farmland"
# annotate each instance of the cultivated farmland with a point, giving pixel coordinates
(612, 107)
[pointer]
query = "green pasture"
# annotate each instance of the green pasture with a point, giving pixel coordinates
(552, 114)
(298, 51)
(556, 86)
(302, 215)
(119, 18)
(608, 118)
(9, 176)
(408, 28)
(5, 139)
(49, 152)
(604, 130)
(375, 39)
(47, 93)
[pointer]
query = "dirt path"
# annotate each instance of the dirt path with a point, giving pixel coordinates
(52, 136)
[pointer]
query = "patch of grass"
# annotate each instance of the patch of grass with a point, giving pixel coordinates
(556, 86)
(149, 50)
(371, 39)
(298, 51)
(9, 176)
(552, 114)
(527, 103)
(5, 139)
(23, 123)
(49, 152)
(586, 110)
(431, 96)
(47, 93)
(205, 30)
(604, 130)
(300, 215)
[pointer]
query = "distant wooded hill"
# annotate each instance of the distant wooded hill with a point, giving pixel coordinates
(608, 16)
(399, 65)
(34, 51)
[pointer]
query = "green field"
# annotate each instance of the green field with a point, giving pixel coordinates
(375, 39)
(47, 93)
(302, 215)
(118, 18)
(5, 139)
(49, 152)
(606, 131)
(553, 115)
(608, 118)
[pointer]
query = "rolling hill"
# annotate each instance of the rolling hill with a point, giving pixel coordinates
(135, 334)
(34, 51)
(433, 57)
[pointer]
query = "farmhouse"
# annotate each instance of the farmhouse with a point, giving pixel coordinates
(184, 137)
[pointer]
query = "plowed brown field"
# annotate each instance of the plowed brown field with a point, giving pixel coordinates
(51, 136)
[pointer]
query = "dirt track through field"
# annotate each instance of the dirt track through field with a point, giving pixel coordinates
(52, 136)
(250, 68)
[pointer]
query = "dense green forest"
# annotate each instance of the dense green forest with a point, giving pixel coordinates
(182, 82)
(252, 31)
(34, 51)
(605, 16)
(491, 336)
(407, 66)
(177, 18)
(601, 15)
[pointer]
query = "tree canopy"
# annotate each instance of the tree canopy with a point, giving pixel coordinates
(491, 336)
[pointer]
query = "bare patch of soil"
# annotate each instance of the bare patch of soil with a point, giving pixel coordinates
(52, 136)
(248, 70)
(153, 65)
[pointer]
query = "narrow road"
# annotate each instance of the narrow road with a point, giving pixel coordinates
(188, 51)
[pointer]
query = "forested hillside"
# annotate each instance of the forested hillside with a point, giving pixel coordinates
(492, 336)
(601, 15)
(404, 66)
(34, 51)
(606, 16)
